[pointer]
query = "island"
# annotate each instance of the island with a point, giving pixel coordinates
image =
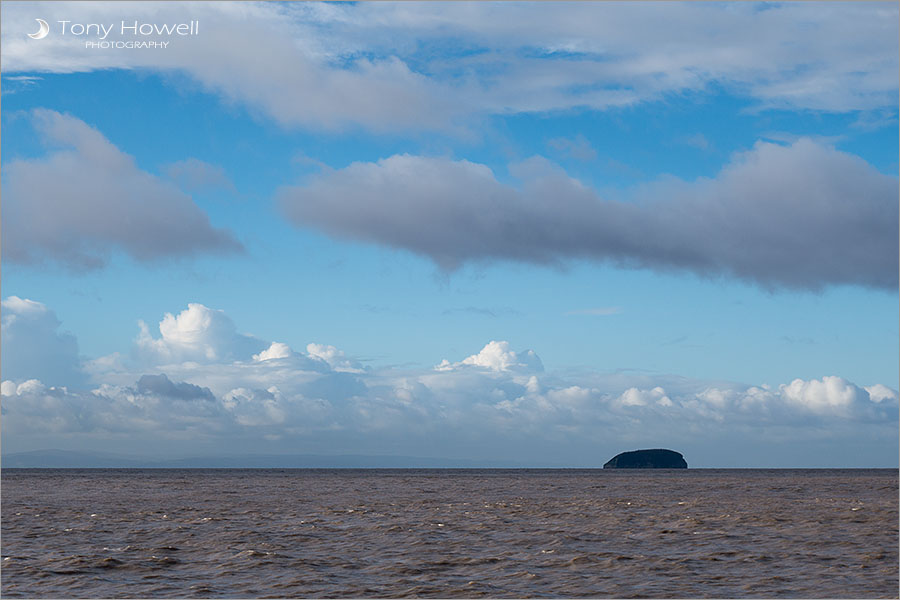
(647, 459)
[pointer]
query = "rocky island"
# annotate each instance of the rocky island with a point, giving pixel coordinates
(647, 459)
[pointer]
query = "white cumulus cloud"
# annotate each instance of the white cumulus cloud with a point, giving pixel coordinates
(497, 356)
(826, 395)
(637, 397)
(197, 333)
(881, 393)
(335, 358)
(274, 351)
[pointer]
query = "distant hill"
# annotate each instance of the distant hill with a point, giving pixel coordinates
(657, 458)
(63, 459)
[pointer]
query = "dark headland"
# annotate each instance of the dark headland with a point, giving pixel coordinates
(647, 459)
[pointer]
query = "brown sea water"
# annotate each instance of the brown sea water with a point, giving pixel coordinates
(446, 533)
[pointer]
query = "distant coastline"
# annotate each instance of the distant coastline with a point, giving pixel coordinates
(62, 459)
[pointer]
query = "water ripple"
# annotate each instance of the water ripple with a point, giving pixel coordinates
(420, 533)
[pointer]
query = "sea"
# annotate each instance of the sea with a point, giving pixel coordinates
(287, 533)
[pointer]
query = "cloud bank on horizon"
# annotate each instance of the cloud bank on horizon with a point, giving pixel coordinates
(199, 383)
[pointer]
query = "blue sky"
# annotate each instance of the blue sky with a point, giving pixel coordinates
(687, 212)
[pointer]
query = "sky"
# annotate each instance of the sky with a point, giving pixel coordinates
(541, 233)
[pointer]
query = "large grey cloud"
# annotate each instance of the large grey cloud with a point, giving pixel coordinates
(385, 66)
(263, 56)
(87, 199)
(194, 175)
(799, 216)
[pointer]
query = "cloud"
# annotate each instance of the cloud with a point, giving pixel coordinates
(803, 216)
(153, 405)
(270, 59)
(830, 394)
(19, 83)
(202, 383)
(194, 175)
(274, 351)
(335, 388)
(497, 356)
(880, 393)
(203, 344)
(578, 147)
(255, 408)
(481, 311)
(161, 385)
(336, 359)
(87, 199)
(34, 348)
(388, 66)
(636, 397)
(698, 140)
(485, 408)
(198, 334)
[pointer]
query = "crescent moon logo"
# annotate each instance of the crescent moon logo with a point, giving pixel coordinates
(42, 32)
